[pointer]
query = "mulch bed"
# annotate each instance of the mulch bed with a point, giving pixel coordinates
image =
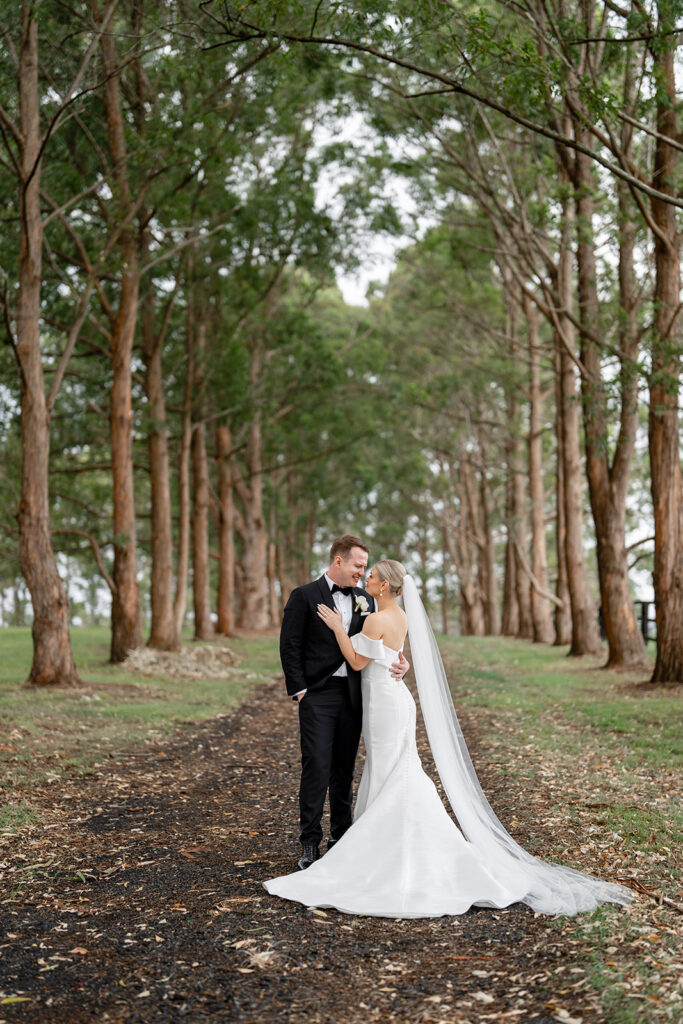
(142, 902)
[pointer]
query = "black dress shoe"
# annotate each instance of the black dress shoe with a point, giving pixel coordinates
(310, 853)
(331, 842)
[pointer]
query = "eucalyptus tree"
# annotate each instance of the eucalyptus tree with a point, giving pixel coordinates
(256, 373)
(45, 94)
(153, 140)
(596, 81)
(482, 162)
(444, 327)
(208, 115)
(293, 224)
(78, 187)
(665, 459)
(611, 73)
(324, 455)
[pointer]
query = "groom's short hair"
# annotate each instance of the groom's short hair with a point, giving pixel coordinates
(343, 545)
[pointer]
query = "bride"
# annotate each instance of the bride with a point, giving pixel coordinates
(404, 856)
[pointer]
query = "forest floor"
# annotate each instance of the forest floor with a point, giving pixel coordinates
(132, 892)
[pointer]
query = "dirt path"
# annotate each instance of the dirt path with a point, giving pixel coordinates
(142, 902)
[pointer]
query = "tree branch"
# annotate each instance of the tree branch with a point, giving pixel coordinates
(249, 32)
(534, 582)
(97, 553)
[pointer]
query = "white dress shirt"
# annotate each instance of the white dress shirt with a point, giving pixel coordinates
(344, 605)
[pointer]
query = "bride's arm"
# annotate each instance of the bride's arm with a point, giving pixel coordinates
(334, 620)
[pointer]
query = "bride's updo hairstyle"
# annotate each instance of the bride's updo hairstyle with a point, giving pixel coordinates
(392, 572)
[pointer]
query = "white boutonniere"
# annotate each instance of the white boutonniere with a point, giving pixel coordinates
(361, 605)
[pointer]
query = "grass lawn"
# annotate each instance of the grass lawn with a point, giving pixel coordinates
(600, 741)
(44, 733)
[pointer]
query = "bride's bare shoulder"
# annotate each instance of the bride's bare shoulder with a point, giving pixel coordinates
(390, 622)
(372, 626)
(389, 614)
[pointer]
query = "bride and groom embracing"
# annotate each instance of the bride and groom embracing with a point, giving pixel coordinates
(400, 854)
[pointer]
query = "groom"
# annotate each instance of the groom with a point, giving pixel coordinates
(328, 690)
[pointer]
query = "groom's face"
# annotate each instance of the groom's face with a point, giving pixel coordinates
(349, 572)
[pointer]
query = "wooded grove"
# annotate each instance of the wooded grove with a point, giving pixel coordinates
(191, 410)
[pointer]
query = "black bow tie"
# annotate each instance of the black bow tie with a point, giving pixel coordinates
(342, 590)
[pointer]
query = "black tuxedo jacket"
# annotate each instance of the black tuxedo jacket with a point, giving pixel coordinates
(309, 651)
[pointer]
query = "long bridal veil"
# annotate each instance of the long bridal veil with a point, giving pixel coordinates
(552, 889)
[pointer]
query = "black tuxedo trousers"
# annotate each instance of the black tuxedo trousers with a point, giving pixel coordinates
(330, 732)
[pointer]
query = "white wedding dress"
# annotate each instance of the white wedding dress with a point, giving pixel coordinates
(404, 856)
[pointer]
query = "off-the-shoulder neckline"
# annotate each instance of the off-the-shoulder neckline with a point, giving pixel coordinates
(379, 640)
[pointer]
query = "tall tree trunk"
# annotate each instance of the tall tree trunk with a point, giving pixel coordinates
(184, 511)
(517, 522)
(126, 615)
(273, 607)
(540, 607)
(665, 464)
(585, 637)
(201, 581)
(563, 611)
(253, 613)
(226, 565)
(201, 588)
(291, 543)
(464, 552)
(607, 485)
(53, 661)
(444, 582)
(296, 534)
(525, 627)
(510, 625)
(163, 633)
(488, 549)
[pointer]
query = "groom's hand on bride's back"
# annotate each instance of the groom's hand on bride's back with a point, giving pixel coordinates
(400, 667)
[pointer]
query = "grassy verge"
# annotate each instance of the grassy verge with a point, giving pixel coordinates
(14, 816)
(46, 733)
(596, 757)
(599, 740)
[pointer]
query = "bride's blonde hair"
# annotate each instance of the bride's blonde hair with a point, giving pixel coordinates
(392, 572)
